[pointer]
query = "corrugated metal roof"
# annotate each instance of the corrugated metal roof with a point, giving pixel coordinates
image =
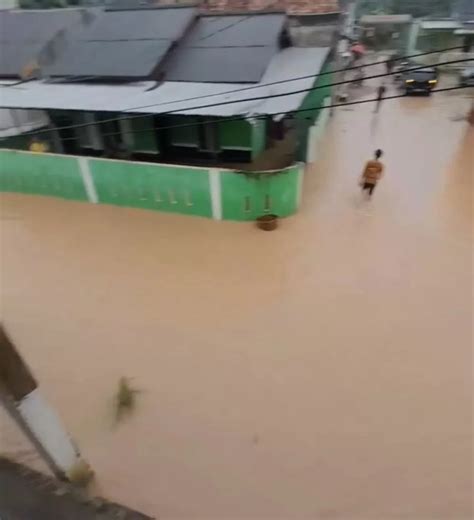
(30, 35)
(227, 49)
(287, 64)
(124, 43)
(131, 59)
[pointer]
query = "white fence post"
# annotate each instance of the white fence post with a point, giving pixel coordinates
(87, 179)
(216, 194)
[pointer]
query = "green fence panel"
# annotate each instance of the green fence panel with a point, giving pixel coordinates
(246, 196)
(42, 174)
(158, 187)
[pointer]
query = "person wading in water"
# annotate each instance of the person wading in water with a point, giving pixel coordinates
(372, 173)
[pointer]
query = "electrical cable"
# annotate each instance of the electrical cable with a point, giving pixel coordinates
(297, 78)
(260, 98)
(401, 58)
(291, 112)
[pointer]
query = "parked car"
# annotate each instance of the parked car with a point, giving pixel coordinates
(400, 68)
(420, 81)
(466, 78)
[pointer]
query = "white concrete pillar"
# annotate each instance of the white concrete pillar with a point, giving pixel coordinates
(216, 193)
(87, 180)
(20, 394)
(45, 425)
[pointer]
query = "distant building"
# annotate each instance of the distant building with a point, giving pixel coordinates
(8, 4)
(384, 31)
(463, 11)
(174, 70)
(436, 33)
(165, 108)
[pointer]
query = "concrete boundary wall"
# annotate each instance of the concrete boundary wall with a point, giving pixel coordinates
(207, 192)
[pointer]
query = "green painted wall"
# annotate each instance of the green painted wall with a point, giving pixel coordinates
(259, 137)
(159, 187)
(184, 135)
(246, 196)
(235, 134)
(311, 106)
(22, 142)
(314, 99)
(16, 142)
(152, 186)
(41, 174)
(143, 136)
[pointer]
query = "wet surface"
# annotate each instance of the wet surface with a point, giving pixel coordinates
(320, 371)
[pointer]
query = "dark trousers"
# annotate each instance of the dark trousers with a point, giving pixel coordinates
(369, 187)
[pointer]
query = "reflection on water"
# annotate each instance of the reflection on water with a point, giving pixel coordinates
(319, 371)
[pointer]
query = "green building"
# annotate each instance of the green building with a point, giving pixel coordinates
(168, 86)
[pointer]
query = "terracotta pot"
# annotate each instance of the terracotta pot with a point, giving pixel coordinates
(267, 222)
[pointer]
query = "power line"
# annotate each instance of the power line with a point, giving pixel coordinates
(291, 112)
(229, 102)
(356, 67)
(297, 78)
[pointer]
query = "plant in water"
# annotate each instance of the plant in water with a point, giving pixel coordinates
(125, 399)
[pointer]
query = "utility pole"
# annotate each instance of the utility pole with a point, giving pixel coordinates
(22, 399)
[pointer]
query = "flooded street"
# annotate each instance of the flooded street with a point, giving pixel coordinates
(320, 371)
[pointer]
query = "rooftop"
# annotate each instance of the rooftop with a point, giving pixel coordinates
(124, 43)
(36, 36)
(227, 49)
(180, 97)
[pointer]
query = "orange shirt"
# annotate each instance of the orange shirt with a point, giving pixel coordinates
(373, 171)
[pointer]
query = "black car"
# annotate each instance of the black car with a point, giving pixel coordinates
(420, 81)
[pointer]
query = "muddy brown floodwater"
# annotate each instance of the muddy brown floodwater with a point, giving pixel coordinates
(320, 371)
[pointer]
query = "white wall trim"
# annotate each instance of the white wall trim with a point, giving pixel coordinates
(47, 428)
(87, 179)
(216, 195)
